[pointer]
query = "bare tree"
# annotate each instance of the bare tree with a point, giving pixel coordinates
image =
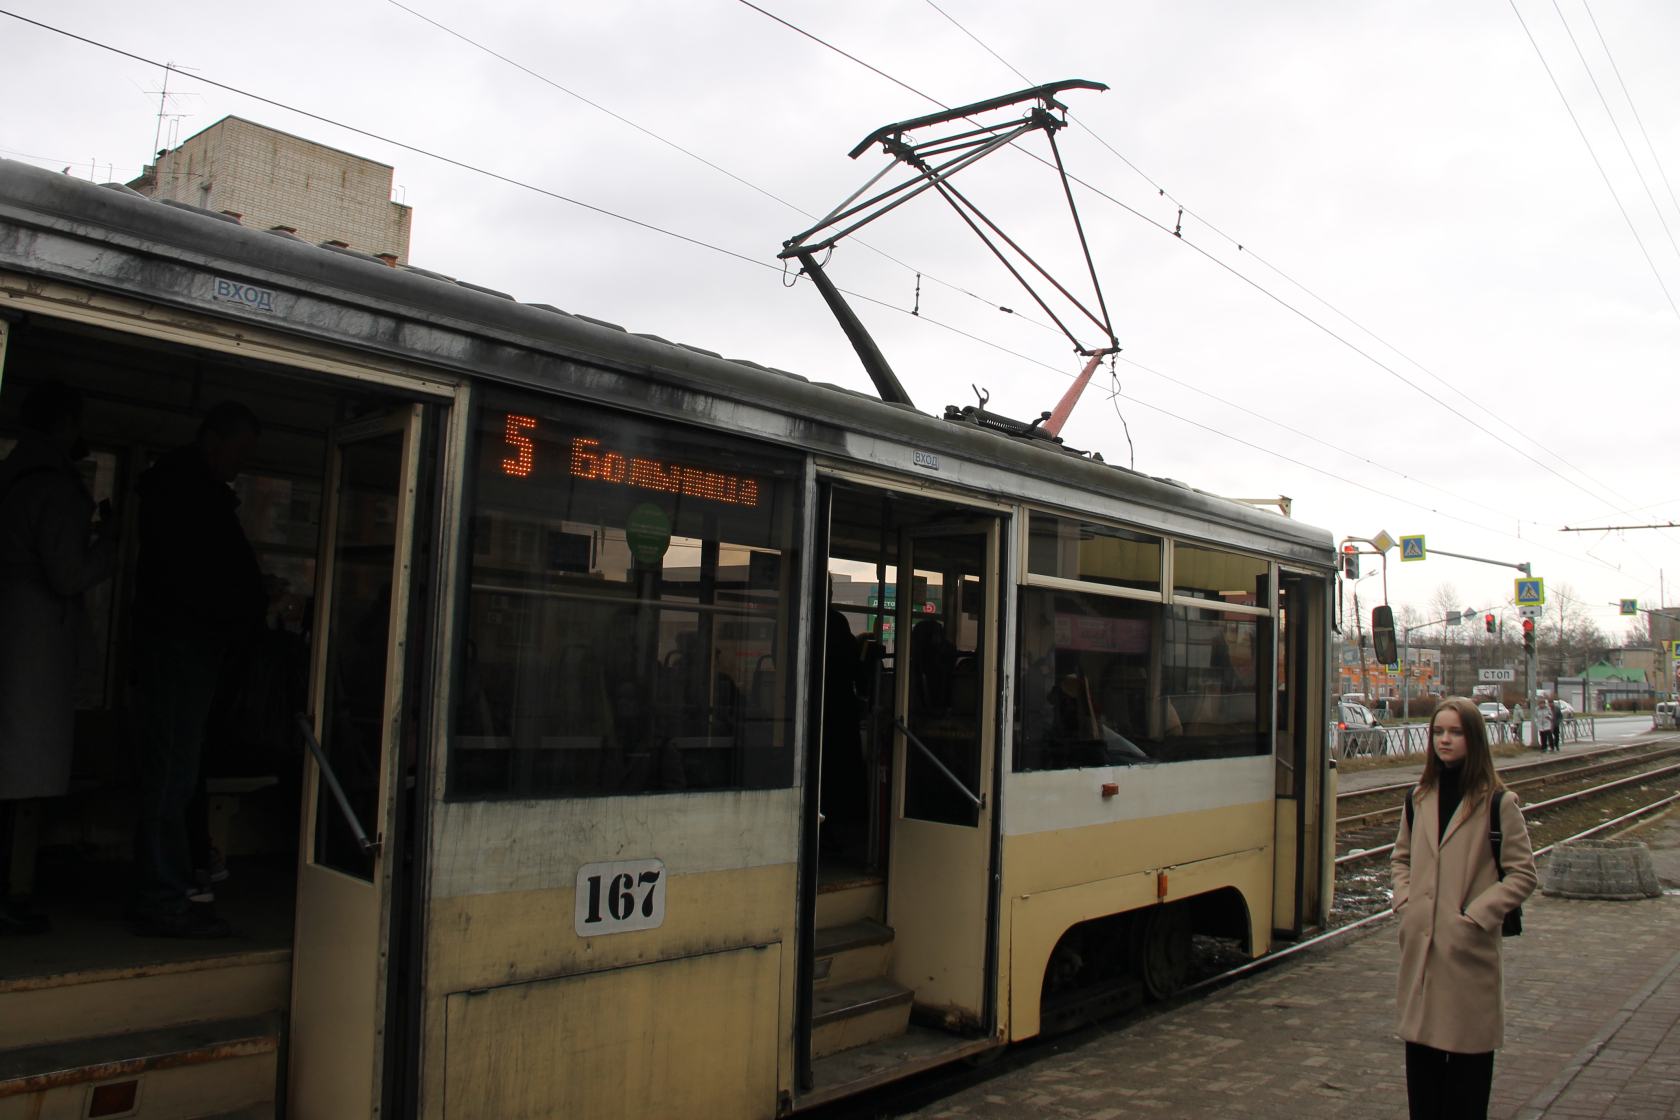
(1444, 600)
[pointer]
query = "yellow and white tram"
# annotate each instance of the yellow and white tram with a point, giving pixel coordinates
(723, 743)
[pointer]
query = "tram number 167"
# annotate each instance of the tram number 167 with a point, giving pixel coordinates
(617, 897)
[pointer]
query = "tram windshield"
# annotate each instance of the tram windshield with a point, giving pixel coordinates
(628, 608)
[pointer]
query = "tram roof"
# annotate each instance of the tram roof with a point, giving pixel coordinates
(168, 252)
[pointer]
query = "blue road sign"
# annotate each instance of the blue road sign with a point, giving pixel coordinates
(1630, 606)
(1411, 548)
(1531, 592)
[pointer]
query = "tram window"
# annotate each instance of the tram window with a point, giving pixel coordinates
(1116, 682)
(628, 608)
(1208, 573)
(1072, 549)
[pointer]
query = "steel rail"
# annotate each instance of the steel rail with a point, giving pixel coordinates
(1570, 775)
(1396, 787)
(1367, 853)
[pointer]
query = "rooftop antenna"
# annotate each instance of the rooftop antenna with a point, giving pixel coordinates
(160, 141)
(163, 104)
(932, 161)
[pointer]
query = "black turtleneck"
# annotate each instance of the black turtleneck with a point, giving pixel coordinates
(1448, 793)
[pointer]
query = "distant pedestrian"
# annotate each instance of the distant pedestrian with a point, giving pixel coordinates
(1557, 724)
(1452, 899)
(1543, 723)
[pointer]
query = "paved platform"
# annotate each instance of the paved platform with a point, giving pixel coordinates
(1593, 1030)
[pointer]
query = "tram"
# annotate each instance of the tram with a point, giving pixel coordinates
(682, 736)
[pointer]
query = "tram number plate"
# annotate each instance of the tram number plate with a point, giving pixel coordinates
(618, 897)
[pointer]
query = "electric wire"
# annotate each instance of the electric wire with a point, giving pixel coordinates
(1324, 442)
(719, 249)
(1238, 274)
(1615, 124)
(1492, 414)
(450, 160)
(1347, 481)
(1617, 70)
(492, 52)
(1596, 162)
(1369, 357)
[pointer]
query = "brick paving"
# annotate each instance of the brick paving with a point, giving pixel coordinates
(1592, 1006)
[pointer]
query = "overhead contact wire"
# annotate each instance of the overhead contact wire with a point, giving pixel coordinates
(680, 237)
(1221, 264)
(1492, 414)
(1570, 109)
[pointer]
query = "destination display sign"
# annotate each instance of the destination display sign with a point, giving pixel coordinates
(589, 459)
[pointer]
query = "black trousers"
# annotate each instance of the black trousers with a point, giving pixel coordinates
(1441, 1085)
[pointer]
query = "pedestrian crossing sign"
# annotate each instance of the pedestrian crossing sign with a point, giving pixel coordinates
(1531, 592)
(1630, 606)
(1411, 548)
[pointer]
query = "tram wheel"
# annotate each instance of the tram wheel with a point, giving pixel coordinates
(1161, 948)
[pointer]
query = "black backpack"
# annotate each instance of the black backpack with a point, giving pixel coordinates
(1496, 837)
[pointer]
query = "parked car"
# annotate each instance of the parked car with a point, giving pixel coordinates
(1493, 711)
(1666, 717)
(1361, 734)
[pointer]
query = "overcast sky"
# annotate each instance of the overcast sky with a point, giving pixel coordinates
(1411, 165)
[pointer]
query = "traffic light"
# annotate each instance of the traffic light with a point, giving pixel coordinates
(1350, 561)
(1382, 635)
(1528, 636)
(1489, 621)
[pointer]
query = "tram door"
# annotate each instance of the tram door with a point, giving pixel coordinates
(1299, 897)
(344, 870)
(939, 882)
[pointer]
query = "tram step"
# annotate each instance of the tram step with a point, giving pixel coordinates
(57, 1007)
(842, 903)
(198, 1070)
(858, 1014)
(852, 952)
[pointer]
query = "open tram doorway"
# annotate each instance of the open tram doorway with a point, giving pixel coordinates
(290, 998)
(900, 959)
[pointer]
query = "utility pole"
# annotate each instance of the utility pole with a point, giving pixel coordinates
(1534, 724)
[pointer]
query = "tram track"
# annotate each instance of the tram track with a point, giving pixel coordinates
(1519, 777)
(1367, 835)
(937, 1084)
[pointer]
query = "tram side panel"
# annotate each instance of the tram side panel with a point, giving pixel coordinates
(1143, 791)
(613, 883)
(1072, 855)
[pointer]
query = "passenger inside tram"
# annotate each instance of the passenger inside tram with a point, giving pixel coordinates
(1112, 679)
(942, 707)
(221, 835)
(628, 608)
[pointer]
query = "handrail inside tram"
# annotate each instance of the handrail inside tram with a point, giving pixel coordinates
(979, 802)
(369, 847)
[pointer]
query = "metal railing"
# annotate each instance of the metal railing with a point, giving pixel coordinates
(368, 847)
(979, 800)
(1413, 738)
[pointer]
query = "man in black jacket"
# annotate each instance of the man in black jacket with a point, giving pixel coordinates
(198, 591)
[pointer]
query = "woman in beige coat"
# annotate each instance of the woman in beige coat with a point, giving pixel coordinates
(1452, 902)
